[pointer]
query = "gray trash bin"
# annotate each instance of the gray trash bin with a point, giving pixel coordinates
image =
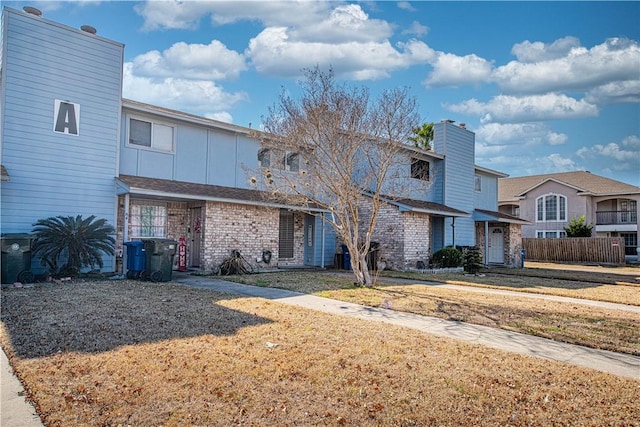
(159, 259)
(16, 258)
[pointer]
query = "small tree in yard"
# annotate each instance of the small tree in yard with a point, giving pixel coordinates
(349, 144)
(82, 242)
(578, 227)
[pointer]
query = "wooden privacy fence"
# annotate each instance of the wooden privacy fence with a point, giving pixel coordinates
(609, 250)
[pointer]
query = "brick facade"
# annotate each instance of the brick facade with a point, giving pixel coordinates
(404, 237)
(512, 242)
(248, 229)
(513, 245)
(227, 227)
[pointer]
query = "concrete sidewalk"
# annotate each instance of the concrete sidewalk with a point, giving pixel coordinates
(15, 411)
(606, 361)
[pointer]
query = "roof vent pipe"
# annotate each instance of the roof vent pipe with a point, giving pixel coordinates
(88, 29)
(32, 10)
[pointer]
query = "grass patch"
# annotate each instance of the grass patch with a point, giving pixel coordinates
(614, 330)
(132, 353)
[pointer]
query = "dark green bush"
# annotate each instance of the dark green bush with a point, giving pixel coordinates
(82, 242)
(447, 258)
(472, 260)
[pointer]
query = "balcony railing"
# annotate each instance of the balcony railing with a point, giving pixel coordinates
(616, 217)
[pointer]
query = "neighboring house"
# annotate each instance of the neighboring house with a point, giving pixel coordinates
(71, 145)
(550, 201)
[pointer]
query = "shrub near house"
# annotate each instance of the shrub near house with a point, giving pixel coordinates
(81, 242)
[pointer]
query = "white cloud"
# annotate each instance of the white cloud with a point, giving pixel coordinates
(191, 61)
(511, 109)
(171, 14)
(453, 70)
(614, 60)
(416, 29)
(200, 97)
(221, 116)
(344, 23)
(405, 5)
(624, 156)
(556, 163)
(518, 134)
(538, 51)
(615, 93)
(273, 52)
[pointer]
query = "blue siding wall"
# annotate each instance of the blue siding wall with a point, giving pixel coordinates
(191, 154)
(54, 173)
(202, 154)
(329, 242)
(487, 198)
(458, 145)
(400, 184)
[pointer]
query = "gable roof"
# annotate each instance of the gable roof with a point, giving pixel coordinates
(510, 189)
(180, 190)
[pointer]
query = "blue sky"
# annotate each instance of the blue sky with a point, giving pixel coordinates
(546, 86)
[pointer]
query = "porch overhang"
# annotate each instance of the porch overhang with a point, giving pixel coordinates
(431, 208)
(481, 215)
(187, 191)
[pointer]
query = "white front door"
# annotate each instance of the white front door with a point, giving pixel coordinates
(496, 246)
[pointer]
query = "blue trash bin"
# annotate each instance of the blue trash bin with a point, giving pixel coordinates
(346, 258)
(135, 259)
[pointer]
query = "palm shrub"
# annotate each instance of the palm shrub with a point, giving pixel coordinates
(447, 258)
(81, 242)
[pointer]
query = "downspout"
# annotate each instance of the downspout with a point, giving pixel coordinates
(453, 231)
(125, 233)
(486, 241)
(322, 243)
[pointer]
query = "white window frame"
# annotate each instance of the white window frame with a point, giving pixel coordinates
(264, 157)
(155, 129)
(414, 160)
(159, 222)
(559, 211)
(477, 183)
(291, 161)
(550, 234)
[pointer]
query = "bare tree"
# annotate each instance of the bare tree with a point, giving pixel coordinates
(348, 145)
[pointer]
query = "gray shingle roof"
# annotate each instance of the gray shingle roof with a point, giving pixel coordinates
(190, 190)
(511, 188)
(428, 207)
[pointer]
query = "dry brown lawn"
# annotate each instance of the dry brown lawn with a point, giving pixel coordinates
(594, 327)
(131, 353)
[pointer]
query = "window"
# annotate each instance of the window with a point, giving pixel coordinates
(630, 243)
(515, 211)
(285, 241)
(629, 211)
(420, 169)
(148, 220)
(292, 162)
(478, 183)
(550, 234)
(551, 207)
(264, 157)
(152, 135)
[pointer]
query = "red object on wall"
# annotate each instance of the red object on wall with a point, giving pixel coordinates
(182, 254)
